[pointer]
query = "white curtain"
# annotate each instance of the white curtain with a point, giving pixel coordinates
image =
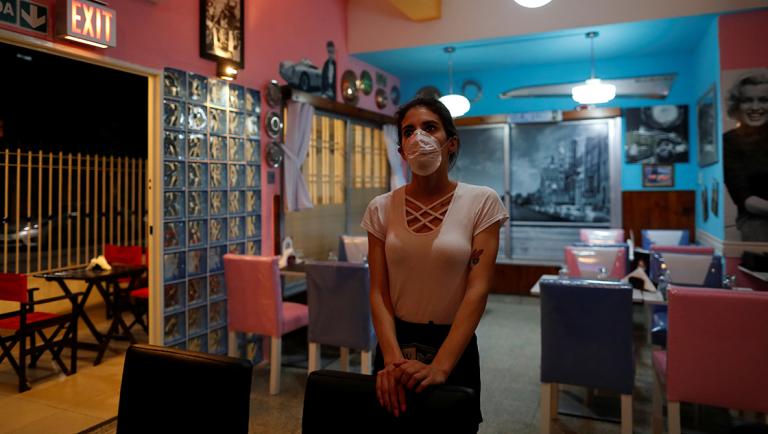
(397, 178)
(296, 148)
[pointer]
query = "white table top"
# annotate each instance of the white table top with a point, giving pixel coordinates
(759, 274)
(638, 296)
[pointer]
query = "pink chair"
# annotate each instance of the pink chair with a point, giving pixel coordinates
(585, 261)
(717, 353)
(255, 305)
(602, 236)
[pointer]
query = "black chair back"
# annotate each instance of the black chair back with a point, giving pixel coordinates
(345, 402)
(170, 390)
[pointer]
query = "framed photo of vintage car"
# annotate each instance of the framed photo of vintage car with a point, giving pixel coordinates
(658, 175)
(222, 31)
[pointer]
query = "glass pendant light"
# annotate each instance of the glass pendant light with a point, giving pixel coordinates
(593, 91)
(457, 104)
(532, 3)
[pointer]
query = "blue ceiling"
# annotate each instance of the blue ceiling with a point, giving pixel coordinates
(644, 38)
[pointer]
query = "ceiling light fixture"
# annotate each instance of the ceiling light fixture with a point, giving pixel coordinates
(457, 104)
(532, 3)
(593, 91)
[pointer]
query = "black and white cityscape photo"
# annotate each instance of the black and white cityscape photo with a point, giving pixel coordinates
(560, 173)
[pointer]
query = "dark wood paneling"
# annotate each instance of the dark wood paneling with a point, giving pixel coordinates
(658, 210)
(518, 279)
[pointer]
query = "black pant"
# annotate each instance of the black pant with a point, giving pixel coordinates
(466, 373)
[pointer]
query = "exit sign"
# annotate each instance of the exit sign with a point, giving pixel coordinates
(87, 22)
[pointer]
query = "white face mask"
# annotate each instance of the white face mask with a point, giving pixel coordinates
(423, 153)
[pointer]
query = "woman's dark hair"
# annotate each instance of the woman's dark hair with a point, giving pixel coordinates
(437, 108)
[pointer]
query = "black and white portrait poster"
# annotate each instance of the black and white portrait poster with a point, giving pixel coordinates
(745, 153)
(706, 125)
(657, 134)
(560, 173)
(221, 30)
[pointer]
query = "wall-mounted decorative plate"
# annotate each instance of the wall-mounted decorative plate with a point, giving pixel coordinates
(394, 95)
(472, 90)
(349, 87)
(273, 94)
(381, 98)
(274, 124)
(274, 154)
(428, 92)
(366, 82)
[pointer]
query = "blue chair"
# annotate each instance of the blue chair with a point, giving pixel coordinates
(586, 340)
(338, 295)
(664, 237)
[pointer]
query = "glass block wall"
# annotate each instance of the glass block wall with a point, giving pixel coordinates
(212, 201)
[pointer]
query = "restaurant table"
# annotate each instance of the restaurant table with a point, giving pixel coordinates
(294, 279)
(118, 329)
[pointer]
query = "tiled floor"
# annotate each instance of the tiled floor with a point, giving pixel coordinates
(508, 337)
(65, 404)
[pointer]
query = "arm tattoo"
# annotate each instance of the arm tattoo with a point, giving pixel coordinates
(475, 257)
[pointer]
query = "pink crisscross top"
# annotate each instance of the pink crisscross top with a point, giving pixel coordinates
(428, 247)
(423, 219)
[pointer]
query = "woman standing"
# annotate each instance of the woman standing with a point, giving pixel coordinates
(745, 155)
(432, 251)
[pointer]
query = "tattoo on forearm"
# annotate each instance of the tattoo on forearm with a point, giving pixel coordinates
(475, 257)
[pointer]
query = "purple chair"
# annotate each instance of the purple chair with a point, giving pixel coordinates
(586, 340)
(338, 295)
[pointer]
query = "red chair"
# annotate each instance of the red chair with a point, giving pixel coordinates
(26, 324)
(585, 262)
(717, 353)
(139, 298)
(601, 236)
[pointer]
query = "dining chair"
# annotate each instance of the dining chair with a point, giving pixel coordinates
(353, 248)
(716, 353)
(601, 236)
(167, 390)
(255, 305)
(345, 402)
(587, 261)
(55, 330)
(586, 340)
(664, 237)
(687, 265)
(338, 296)
(138, 298)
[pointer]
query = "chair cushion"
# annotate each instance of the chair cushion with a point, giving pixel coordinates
(659, 359)
(13, 322)
(140, 293)
(295, 315)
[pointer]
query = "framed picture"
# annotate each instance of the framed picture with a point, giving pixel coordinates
(658, 175)
(706, 124)
(222, 30)
(657, 134)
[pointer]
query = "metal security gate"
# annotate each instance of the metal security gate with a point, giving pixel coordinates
(58, 210)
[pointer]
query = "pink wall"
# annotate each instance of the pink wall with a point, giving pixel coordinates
(742, 40)
(165, 33)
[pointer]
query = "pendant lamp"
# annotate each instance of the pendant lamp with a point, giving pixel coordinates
(457, 104)
(593, 91)
(532, 3)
